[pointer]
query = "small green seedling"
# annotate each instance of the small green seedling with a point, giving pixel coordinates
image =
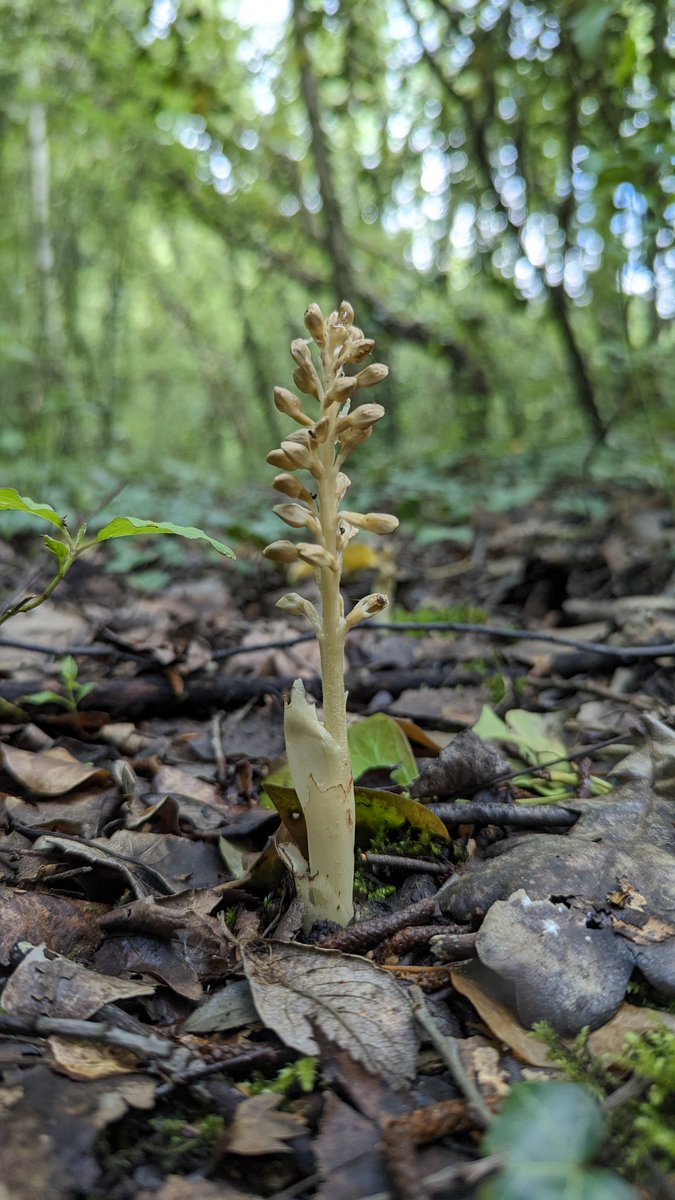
(73, 690)
(67, 547)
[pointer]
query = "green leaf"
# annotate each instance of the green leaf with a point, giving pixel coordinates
(553, 1123)
(530, 732)
(40, 698)
(588, 27)
(379, 741)
(376, 811)
(10, 499)
(68, 669)
(545, 1183)
(57, 548)
(134, 527)
(490, 726)
(533, 734)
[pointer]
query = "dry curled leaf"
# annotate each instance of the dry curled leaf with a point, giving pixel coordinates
(49, 772)
(355, 1004)
(45, 985)
(257, 1127)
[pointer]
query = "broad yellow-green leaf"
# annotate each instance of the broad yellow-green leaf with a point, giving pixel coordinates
(11, 500)
(376, 811)
(134, 527)
(533, 733)
(379, 741)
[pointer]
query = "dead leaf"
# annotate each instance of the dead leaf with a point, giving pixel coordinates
(228, 1008)
(60, 924)
(500, 1021)
(475, 983)
(257, 1127)
(347, 1150)
(83, 1059)
(357, 1005)
(149, 956)
(172, 779)
(610, 1038)
(46, 985)
(49, 772)
(465, 765)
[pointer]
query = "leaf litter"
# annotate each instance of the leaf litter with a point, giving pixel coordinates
(153, 976)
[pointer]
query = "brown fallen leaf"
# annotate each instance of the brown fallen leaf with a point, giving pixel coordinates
(49, 772)
(257, 1127)
(46, 985)
(501, 1021)
(80, 1059)
(355, 1004)
(61, 924)
(608, 1040)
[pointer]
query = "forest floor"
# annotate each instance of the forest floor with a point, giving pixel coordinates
(167, 1032)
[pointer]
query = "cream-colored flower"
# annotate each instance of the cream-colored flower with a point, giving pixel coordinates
(317, 556)
(298, 517)
(286, 552)
(372, 522)
(290, 486)
(291, 405)
(370, 606)
(316, 325)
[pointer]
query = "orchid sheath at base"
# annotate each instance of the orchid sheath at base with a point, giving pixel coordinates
(318, 753)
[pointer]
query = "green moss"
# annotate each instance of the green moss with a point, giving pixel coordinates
(367, 888)
(408, 843)
(294, 1079)
(461, 614)
(576, 1060)
(651, 1132)
(181, 1142)
(643, 1127)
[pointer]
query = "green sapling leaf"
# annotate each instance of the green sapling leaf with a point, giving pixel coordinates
(134, 527)
(10, 499)
(571, 1182)
(546, 1133)
(59, 549)
(556, 1122)
(68, 670)
(379, 741)
(40, 698)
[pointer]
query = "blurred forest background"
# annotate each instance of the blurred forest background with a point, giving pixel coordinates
(491, 183)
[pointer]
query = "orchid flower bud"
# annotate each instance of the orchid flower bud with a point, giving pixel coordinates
(315, 323)
(298, 517)
(317, 556)
(342, 389)
(286, 552)
(370, 606)
(299, 607)
(372, 374)
(290, 486)
(291, 405)
(278, 458)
